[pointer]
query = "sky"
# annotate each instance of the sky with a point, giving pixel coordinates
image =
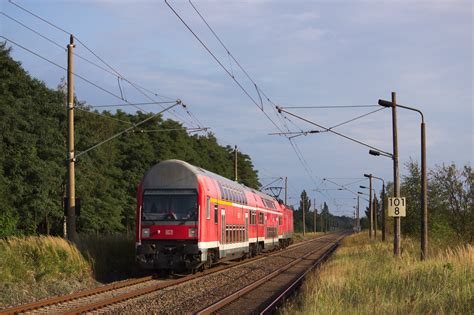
(299, 54)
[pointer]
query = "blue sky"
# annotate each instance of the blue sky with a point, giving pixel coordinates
(300, 53)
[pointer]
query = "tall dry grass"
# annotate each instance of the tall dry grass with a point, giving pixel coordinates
(37, 266)
(364, 277)
(112, 256)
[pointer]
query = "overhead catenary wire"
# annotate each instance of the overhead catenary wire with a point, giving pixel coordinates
(336, 133)
(128, 104)
(103, 116)
(136, 86)
(65, 69)
(222, 66)
(356, 118)
(293, 145)
(328, 107)
(126, 130)
(56, 43)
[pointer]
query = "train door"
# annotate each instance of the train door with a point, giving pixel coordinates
(223, 239)
(246, 236)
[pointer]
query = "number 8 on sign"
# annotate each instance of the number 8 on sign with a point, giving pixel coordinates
(396, 207)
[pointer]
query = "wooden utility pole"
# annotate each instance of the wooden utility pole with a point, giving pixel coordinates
(71, 191)
(314, 215)
(286, 190)
(304, 225)
(396, 176)
(235, 163)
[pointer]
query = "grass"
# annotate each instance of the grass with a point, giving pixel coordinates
(39, 266)
(36, 267)
(112, 256)
(364, 277)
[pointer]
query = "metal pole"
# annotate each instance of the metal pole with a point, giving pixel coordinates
(314, 216)
(396, 176)
(375, 215)
(371, 208)
(358, 218)
(383, 211)
(327, 221)
(286, 190)
(71, 210)
(304, 227)
(424, 200)
(235, 163)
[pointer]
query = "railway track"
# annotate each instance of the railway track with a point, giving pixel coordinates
(264, 295)
(187, 294)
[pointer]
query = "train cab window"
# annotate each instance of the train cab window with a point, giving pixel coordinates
(170, 205)
(216, 213)
(260, 218)
(208, 208)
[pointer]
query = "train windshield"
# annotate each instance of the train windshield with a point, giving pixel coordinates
(170, 205)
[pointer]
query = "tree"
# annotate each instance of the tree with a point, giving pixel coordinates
(455, 187)
(33, 153)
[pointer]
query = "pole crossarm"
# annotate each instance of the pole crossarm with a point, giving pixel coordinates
(280, 110)
(294, 134)
(385, 103)
(126, 130)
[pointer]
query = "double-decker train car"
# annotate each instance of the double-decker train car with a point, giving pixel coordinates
(188, 218)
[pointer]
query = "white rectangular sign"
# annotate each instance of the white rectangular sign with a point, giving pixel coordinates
(397, 207)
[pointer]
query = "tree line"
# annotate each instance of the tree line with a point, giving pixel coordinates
(450, 202)
(325, 220)
(33, 148)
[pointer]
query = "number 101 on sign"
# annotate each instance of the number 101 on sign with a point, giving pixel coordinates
(396, 207)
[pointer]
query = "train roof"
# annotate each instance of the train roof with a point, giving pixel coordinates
(180, 174)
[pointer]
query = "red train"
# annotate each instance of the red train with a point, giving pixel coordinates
(189, 218)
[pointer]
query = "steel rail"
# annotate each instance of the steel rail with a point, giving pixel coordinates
(239, 293)
(130, 295)
(74, 296)
(293, 285)
(122, 297)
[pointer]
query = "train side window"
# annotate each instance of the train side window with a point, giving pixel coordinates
(253, 218)
(208, 208)
(260, 218)
(216, 213)
(280, 221)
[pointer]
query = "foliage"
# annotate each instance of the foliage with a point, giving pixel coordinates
(34, 267)
(33, 154)
(450, 203)
(325, 221)
(364, 277)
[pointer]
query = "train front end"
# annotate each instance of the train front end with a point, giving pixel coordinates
(167, 218)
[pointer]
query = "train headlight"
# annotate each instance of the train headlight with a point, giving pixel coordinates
(192, 232)
(145, 232)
